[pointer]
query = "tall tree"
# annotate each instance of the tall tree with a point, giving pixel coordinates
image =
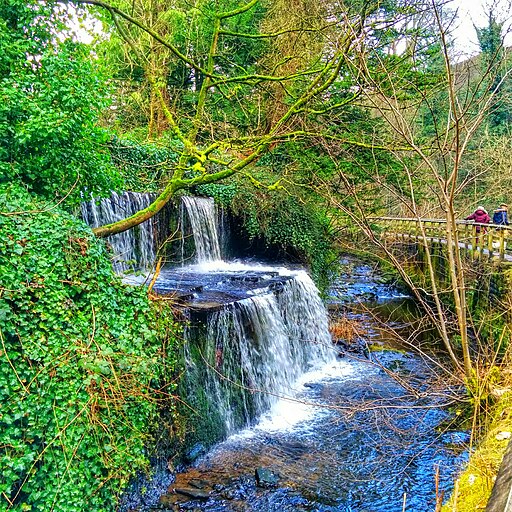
(52, 94)
(493, 56)
(430, 129)
(236, 66)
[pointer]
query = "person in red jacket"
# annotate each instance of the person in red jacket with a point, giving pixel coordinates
(480, 216)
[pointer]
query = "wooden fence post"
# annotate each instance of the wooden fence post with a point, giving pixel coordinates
(490, 241)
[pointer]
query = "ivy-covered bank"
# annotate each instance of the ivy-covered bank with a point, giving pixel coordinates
(84, 361)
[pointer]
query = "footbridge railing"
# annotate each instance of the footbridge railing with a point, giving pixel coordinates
(481, 240)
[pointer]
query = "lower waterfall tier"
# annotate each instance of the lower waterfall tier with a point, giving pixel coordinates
(253, 331)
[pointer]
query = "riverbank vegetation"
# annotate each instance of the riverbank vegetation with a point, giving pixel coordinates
(306, 123)
(86, 364)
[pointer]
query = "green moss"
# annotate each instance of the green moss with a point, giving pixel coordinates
(473, 487)
(376, 347)
(203, 422)
(209, 370)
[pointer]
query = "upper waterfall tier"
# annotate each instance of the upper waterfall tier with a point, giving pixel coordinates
(202, 213)
(134, 248)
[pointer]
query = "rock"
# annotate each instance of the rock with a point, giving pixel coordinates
(265, 477)
(194, 453)
(168, 500)
(313, 385)
(196, 494)
(228, 494)
(199, 484)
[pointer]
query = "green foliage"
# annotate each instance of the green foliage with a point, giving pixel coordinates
(491, 41)
(224, 194)
(51, 95)
(189, 27)
(81, 360)
(143, 166)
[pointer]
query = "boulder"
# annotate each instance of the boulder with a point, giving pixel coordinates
(191, 492)
(266, 477)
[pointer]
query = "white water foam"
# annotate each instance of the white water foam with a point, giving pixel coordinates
(237, 266)
(290, 412)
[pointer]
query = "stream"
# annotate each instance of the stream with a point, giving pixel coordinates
(360, 425)
(362, 433)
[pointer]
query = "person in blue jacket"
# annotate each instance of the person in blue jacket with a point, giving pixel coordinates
(500, 215)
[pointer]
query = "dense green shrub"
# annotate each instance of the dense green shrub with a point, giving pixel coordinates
(143, 165)
(49, 136)
(81, 359)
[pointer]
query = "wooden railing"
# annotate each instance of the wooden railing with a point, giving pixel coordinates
(489, 240)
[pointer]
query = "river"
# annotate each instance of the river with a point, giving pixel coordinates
(363, 433)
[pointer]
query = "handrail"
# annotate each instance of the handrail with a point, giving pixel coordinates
(443, 221)
(481, 239)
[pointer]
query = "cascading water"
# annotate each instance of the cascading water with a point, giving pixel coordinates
(265, 326)
(258, 354)
(258, 347)
(203, 218)
(134, 248)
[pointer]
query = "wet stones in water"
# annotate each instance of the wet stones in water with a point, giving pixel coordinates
(317, 386)
(397, 366)
(181, 497)
(356, 347)
(246, 278)
(199, 484)
(266, 478)
(236, 489)
(192, 492)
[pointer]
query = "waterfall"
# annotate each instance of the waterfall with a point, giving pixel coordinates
(203, 218)
(134, 248)
(256, 349)
(261, 328)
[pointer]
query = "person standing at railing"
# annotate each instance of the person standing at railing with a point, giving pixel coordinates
(480, 216)
(500, 215)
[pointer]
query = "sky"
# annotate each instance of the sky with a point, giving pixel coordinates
(474, 12)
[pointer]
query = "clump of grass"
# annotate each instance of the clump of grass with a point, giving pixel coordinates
(474, 486)
(347, 329)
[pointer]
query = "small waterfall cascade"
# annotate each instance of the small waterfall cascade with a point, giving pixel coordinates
(255, 330)
(256, 349)
(202, 213)
(134, 248)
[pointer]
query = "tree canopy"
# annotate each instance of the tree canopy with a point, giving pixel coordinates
(51, 98)
(227, 82)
